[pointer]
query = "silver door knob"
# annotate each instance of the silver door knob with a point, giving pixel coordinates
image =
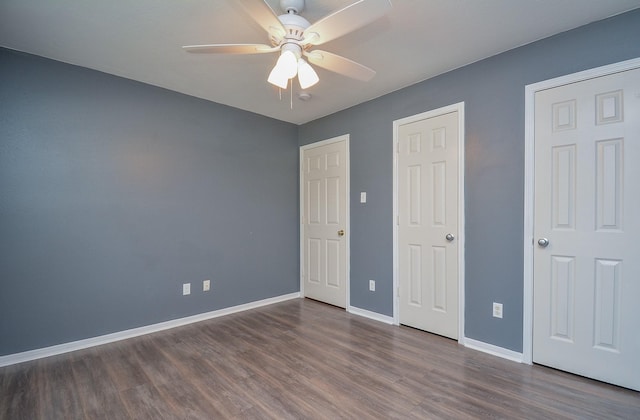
(543, 242)
(449, 237)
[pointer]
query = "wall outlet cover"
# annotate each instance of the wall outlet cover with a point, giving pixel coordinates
(186, 289)
(206, 285)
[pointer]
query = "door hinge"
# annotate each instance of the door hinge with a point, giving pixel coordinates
(397, 220)
(398, 147)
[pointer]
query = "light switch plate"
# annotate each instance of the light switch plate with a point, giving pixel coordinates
(497, 310)
(186, 289)
(363, 197)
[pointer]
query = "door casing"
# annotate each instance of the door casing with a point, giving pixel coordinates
(342, 138)
(529, 196)
(458, 107)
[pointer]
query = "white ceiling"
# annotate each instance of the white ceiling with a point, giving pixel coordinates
(416, 40)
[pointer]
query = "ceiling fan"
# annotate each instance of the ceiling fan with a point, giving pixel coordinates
(294, 37)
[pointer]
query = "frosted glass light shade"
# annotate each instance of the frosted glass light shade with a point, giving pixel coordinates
(277, 78)
(288, 64)
(286, 68)
(307, 76)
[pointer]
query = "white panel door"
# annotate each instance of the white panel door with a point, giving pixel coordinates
(324, 222)
(587, 228)
(428, 224)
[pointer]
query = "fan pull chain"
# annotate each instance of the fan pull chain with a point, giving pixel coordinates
(291, 98)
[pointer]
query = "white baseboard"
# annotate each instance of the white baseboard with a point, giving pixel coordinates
(371, 315)
(493, 350)
(12, 359)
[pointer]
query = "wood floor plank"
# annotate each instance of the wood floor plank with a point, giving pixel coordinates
(145, 402)
(123, 367)
(59, 396)
(20, 391)
(299, 359)
(100, 397)
(225, 397)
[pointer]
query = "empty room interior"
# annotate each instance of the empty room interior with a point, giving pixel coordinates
(319, 209)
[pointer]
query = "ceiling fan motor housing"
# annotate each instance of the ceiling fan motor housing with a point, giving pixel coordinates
(294, 26)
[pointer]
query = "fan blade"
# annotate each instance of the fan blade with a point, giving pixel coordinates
(345, 20)
(230, 49)
(339, 64)
(262, 13)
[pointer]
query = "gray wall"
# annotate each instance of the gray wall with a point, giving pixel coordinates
(113, 193)
(493, 92)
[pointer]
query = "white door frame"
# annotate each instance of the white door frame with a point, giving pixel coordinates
(343, 138)
(529, 161)
(459, 107)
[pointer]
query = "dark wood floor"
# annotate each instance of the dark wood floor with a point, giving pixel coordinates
(298, 359)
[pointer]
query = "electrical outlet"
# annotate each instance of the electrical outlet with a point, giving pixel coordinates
(372, 285)
(497, 310)
(186, 289)
(206, 285)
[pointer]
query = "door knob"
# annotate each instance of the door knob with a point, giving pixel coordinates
(341, 232)
(449, 237)
(543, 242)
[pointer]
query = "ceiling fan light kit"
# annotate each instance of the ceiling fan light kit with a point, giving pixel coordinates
(291, 64)
(294, 37)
